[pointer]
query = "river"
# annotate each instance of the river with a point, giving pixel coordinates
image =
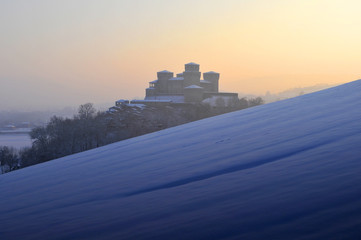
(16, 140)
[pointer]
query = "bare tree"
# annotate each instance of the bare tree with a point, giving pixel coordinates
(86, 111)
(8, 159)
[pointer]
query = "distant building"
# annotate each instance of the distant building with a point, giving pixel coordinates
(9, 127)
(186, 87)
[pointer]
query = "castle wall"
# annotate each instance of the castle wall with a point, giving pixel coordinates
(175, 86)
(191, 67)
(212, 77)
(186, 85)
(220, 94)
(207, 86)
(150, 92)
(193, 94)
(191, 78)
(162, 84)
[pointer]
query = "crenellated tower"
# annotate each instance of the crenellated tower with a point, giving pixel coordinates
(186, 87)
(162, 82)
(213, 78)
(191, 75)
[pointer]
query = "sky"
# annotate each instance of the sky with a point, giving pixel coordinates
(65, 53)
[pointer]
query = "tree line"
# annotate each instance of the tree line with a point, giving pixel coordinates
(90, 129)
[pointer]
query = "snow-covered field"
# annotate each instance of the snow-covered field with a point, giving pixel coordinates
(286, 170)
(16, 140)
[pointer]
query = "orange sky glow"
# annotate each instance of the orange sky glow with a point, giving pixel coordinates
(75, 51)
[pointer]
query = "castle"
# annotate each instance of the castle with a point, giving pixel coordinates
(186, 87)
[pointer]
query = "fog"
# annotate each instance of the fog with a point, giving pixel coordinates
(36, 95)
(65, 53)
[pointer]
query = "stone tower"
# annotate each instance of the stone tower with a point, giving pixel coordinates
(212, 77)
(193, 94)
(191, 75)
(162, 83)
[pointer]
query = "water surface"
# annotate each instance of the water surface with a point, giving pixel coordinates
(16, 140)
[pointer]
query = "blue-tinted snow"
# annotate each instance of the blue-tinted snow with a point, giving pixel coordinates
(286, 170)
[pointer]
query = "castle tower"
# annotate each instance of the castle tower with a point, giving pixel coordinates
(212, 77)
(149, 92)
(191, 75)
(162, 83)
(193, 94)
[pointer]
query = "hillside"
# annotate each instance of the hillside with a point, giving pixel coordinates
(285, 170)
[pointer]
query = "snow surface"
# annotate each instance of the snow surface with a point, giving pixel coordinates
(192, 63)
(285, 170)
(122, 101)
(193, 86)
(205, 81)
(165, 71)
(176, 78)
(211, 72)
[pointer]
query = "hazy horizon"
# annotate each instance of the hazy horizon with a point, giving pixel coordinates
(65, 53)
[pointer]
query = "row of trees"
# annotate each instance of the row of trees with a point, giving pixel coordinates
(90, 129)
(9, 159)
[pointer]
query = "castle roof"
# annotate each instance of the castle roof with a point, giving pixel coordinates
(193, 86)
(164, 71)
(154, 81)
(176, 78)
(211, 72)
(122, 101)
(192, 63)
(205, 81)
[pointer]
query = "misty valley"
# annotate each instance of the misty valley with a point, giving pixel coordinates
(17, 140)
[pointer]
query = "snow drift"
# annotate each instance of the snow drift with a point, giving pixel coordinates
(286, 170)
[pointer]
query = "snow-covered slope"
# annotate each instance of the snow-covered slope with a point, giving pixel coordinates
(286, 170)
